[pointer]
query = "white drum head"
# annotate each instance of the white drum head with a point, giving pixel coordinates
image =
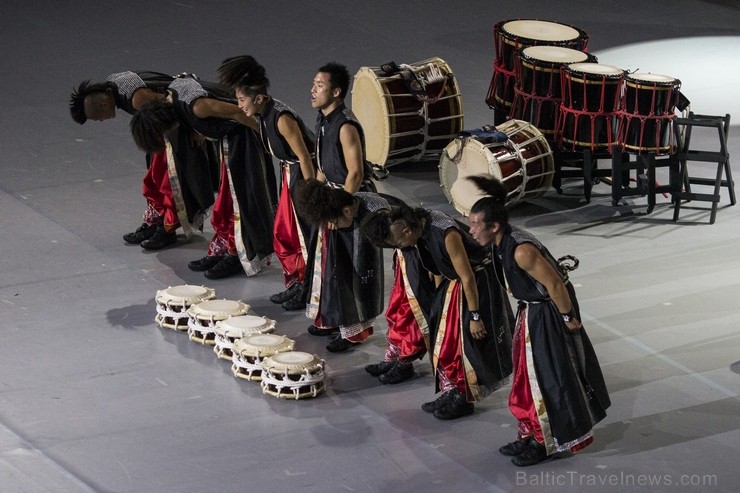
(594, 68)
(650, 78)
(475, 159)
(292, 358)
(185, 294)
(555, 54)
(541, 30)
(243, 325)
(368, 105)
(263, 344)
(220, 309)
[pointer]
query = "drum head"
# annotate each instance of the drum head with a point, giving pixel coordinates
(456, 164)
(368, 105)
(184, 294)
(595, 69)
(218, 309)
(540, 30)
(554, 54)
(292, 362)
(261, 344)
(243, 325)
(651, 78)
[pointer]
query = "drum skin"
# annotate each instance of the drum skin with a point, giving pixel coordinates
(524, 164)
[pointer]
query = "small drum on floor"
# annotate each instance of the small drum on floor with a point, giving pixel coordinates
(591, 98)
(202, 318)
(233, 328)
(524, 164)
(537, 92)
(293, 375)
(647, 113)
(249, 351)
(513, 35)
(173, 304)
(408, 112)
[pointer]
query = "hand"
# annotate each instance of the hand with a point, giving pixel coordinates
(574, 324)
(477, 329)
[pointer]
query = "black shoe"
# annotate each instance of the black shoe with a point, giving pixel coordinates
(377, 369)
(143, 232)
(204, 263)
(456, 406)
(340, 345)
(297, 302)
(159, 239)
(512, 449)
(286, 295)
(438, 403)
(315, 331)
(399, 373)
(226, 267)
(533, 454)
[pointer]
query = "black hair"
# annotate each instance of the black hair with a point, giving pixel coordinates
(493, 206)
(77, 98)
(319, 203)
(243, 73)
(377, 226)
(338, 76)
(151, 123)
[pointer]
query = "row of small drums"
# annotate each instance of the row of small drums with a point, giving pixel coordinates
(543, 74)
(245, 339)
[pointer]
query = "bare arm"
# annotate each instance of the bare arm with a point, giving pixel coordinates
(352, 148)
(456, 250)
(209, 107)
(144, 95)
(530, 259)
(289, 129)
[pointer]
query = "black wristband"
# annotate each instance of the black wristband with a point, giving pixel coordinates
(474, 315)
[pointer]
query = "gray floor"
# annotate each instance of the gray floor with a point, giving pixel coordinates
(95, 397)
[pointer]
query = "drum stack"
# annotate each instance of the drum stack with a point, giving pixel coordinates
(242, 338)
(513, 36)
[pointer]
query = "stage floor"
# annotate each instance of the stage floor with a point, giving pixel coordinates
(94, 396)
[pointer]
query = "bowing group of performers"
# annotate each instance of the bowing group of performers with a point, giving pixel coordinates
(328, 227)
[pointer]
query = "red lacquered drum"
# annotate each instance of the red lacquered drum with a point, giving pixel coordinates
(537, 92)
(591, 98)
(524, 164)
(401, 124)
(647, 113)
(512, 35)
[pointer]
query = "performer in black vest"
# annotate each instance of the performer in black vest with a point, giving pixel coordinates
(558, 392)
(285, 136)
(130, 91)
(243, 227)
(340, 156)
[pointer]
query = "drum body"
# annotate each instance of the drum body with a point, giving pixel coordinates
(202, 318)
(233, 328)
(524, 164)
(249, 351)
(647, 113)
(591, 95)
(513, 35)
(537, 92)
(293, 375)
(401, 125)
(173, 303)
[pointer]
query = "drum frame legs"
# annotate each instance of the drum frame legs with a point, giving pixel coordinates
(644, 165)
(586, 163)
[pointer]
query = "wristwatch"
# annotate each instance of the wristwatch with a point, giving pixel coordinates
(475, 315)
(567, 317)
